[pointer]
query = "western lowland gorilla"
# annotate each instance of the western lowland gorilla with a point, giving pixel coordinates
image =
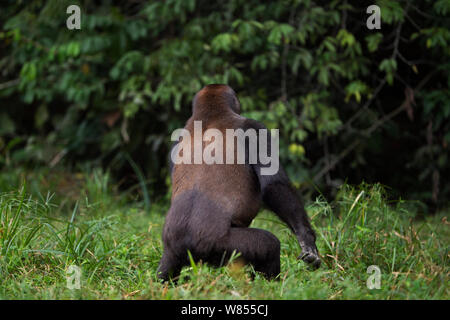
(212, 205)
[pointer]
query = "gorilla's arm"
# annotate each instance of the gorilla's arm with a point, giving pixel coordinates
(279, 195)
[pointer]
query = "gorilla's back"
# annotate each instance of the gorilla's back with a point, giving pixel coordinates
(233, 187)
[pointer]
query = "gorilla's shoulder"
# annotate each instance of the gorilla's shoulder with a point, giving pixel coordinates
(252, 124)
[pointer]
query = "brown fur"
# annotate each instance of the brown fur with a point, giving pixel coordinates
(212, 205)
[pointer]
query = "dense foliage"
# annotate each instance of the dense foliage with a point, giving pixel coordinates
(351, 103)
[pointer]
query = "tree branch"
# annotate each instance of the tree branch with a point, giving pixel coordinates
(9, 84)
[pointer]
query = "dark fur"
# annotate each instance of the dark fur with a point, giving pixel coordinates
(213, 205)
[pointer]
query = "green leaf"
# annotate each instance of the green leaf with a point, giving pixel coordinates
(373, 41)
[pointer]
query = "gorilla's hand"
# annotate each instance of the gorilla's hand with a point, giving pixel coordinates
(310, 256)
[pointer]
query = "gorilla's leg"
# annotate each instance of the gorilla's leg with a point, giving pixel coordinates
(258, 247)
(169, 266)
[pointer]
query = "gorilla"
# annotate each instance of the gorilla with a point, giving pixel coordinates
(212, 205)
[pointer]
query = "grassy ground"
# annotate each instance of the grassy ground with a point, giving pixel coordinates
(117, 245)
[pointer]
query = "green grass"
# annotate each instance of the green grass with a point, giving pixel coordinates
(117, 245)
